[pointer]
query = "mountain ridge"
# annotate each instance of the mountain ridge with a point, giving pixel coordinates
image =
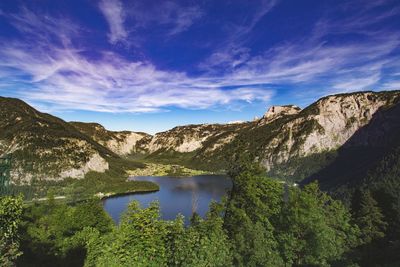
(38, 142)
(289, 142)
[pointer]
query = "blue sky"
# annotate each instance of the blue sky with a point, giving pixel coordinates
(151, 65)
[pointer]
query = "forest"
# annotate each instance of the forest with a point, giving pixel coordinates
(261, 222)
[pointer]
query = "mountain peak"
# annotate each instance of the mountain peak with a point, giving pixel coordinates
(275, 112)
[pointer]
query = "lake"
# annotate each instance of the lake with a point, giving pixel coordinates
(177, 195)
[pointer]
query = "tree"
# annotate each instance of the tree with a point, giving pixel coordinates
(204, 243)
(140, 240)
(369, 218)
(10, 218)
(253, 202)
(314, 229)
(52, 232)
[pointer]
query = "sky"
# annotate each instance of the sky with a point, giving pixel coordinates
(150, 65)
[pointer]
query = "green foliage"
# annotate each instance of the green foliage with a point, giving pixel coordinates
(369, 218)
(313, 229)
(142, 239)
(367, 176)
(204, 243)
(10, 219)
(254, 201)
(113, 181)
(270, 226)
(52, 233)
(299, 168)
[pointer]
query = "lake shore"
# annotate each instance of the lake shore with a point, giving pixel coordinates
(157, 169)
(104, 196)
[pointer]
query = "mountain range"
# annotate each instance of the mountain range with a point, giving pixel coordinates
(339, 139)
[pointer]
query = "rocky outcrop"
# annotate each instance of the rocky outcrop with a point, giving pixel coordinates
(276, 112)
(95, 163)
(185, 139)
(121, 143)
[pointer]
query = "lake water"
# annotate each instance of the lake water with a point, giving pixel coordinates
(176, 195)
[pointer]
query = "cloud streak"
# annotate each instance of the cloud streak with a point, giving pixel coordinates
(176, 17)
(64, 77)
(114, 13)
(52, 70)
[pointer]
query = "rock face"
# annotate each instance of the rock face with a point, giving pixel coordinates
(284, 140)
(276, 112)
(185, 139)
(324, 126)
(44, 147)
(95, 163)
(121, 143)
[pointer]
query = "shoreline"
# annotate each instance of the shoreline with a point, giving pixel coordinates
(174, 176)
(104, 196)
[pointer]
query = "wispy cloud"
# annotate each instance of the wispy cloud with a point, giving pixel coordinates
(59, 74)
(351, 65)
(114, 13)
(178, 18)
(142, 15)
(232, 52)
(63, 76)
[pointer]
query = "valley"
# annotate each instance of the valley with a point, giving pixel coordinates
(83, 159)
(347, 144)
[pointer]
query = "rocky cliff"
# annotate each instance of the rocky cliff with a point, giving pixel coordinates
(287, 141)
(186, 139)
(121, 143)
(276, 112)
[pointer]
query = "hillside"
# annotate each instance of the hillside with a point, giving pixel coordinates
(182, 143)
(121, 143)
(289, 142)
(370, 158)
(45, 147)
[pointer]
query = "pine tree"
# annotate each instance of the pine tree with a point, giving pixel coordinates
(369, 218)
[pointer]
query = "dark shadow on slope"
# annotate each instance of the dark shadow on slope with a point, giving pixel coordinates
(361, 153)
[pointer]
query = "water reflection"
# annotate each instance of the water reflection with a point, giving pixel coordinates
(176, 196)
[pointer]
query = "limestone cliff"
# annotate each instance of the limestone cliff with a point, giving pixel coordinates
(276, 112)
(121, 143)
(284, 139)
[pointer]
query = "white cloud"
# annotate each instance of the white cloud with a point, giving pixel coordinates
(357, 84)
(61, 76)
(345, 66)
(113, 11)
(178, 18)
(391, 85)
(68, 80)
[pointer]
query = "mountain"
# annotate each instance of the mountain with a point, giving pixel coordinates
(45, 147)
(121, 143)
(369, 158)
(289, 142)
(182, 143)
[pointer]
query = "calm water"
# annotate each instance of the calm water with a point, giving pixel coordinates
(176, 195)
